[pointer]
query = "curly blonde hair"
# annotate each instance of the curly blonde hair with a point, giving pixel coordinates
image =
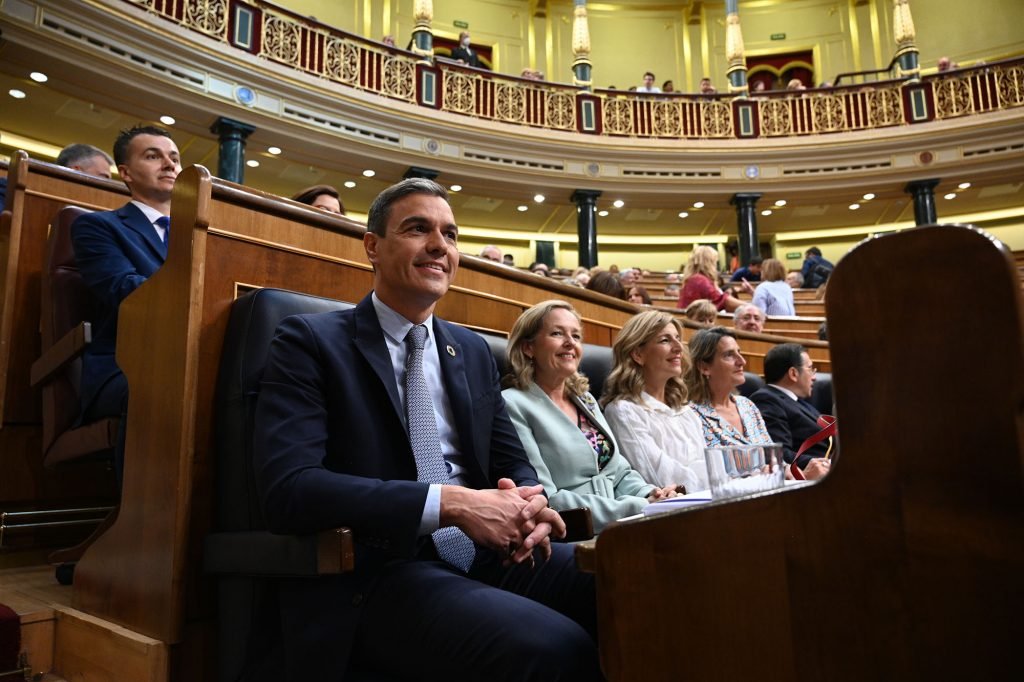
(703, 260)
(626, 380)
(525, 330)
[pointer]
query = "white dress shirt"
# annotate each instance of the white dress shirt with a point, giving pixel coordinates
(664, 445)
(395, 329)
(152, 214)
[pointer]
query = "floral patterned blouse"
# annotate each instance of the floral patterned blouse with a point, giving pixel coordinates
(717, 431)
(597, 440)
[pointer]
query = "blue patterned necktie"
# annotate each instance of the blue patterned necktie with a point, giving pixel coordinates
(165, 222)
(452, 544)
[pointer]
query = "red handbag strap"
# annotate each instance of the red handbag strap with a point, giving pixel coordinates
(828, 429)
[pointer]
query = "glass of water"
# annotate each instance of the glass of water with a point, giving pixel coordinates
(737, 470)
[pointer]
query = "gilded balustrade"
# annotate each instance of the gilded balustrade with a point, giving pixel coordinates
(347, 60)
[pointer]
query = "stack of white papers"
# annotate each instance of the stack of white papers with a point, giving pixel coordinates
(681, 502)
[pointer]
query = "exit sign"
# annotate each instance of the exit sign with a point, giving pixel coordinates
(778, 36)
(465, 24)
(793, 255)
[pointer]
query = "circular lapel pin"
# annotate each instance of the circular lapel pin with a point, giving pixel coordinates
(451, 351)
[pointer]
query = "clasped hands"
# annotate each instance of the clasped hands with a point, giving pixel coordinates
(512, 520)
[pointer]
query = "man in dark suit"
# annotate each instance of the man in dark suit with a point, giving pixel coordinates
(464, 53)
(338, 443)
(116, 251)
(790, 419)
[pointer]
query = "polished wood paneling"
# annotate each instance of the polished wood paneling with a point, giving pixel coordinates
(35, 192)
(905, 562)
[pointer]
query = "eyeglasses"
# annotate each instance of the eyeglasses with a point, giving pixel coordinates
(810, 368)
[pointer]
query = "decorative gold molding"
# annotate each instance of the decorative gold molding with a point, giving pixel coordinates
(903, 26)
(734, 43)
(580, 33)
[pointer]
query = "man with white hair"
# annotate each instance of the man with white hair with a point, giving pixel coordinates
(491, 253)
(749, 318)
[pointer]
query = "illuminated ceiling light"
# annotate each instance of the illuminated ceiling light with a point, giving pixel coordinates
(951, 195)
(766, 212)
(539, 198)
(602, 213)
(369, 173)
(167, 120)
(854, 207)
(869, 196)
(684, 214)
(780, 203)
(618, 203)
(522, 207)
(698, 204)
(38, 76)
(274, 150)
(252, 163)
(16, 94)
(964, 185)
(350, 183)
(456, 188)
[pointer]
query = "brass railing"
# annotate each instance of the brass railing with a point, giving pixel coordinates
(284, 37)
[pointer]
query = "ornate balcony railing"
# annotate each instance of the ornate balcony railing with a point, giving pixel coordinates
(284, 37)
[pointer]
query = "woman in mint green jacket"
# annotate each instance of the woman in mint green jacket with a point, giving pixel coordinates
(562, 429)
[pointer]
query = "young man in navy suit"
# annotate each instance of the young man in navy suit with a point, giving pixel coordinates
(339, 442)
(790, 418)
(116, 251)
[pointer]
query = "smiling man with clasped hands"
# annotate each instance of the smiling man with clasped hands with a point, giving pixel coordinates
(390, 421)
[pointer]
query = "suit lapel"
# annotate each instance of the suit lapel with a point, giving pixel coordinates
(136, 221)
(808, 409)
(453, 370)
(369, 342)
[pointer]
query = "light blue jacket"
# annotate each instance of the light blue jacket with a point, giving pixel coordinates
(566, 463)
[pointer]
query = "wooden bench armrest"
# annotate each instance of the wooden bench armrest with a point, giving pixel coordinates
(579, 524)
(57, 356)
(586, 556)
(265, 554)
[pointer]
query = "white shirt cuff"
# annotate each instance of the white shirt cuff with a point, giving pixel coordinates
(431, 519)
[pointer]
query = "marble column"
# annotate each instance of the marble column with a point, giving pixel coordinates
(422, 33)
(905, 37)
(231, 153)
(923, 192)
(734, 53)
(746, 222)
(586, 225)
(581, 65)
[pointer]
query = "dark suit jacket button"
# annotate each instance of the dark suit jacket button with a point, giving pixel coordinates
(357, 599)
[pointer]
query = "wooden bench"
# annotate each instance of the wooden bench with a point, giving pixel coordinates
(35, 192)
(905, 562)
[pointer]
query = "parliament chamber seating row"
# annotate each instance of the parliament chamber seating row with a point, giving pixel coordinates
(900, 520)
